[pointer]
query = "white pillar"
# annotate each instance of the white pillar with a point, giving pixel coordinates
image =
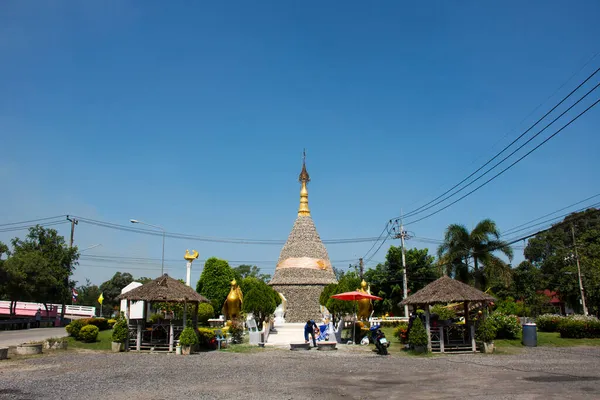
(171, 335)
(472, 334)
(138, 345)
(189, 274)
(441, 328)
(427, 328)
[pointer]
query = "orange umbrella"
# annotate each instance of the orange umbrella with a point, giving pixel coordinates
(353, 296)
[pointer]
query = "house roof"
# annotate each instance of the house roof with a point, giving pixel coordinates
(164, 289)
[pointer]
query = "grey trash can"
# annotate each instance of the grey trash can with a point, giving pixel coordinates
(530, 335)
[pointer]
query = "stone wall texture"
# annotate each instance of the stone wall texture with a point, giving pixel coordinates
(302, 302)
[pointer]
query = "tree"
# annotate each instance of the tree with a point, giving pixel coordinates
(480, 244)
(111, 290)
(245, 271)
(88, 294)
(260, 303)
(386, 279)
(215, 281)
(553, 253)
(347, 282)
(143, 280)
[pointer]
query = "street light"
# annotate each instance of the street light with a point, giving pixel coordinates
(162, 265)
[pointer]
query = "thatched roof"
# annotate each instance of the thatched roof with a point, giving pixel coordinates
(164, 289)
(446, 290)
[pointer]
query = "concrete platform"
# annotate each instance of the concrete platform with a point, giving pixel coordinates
(287, 333)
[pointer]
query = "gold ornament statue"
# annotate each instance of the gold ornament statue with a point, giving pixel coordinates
(233, 304)
(190, 257)
(365, 306)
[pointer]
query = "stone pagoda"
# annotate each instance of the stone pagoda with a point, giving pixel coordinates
(303, 269)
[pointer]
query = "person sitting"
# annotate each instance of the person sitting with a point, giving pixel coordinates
(309, 329)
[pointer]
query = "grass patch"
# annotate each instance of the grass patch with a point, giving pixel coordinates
(547, 339)
(103, 342)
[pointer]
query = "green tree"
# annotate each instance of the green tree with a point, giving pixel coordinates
(552, 252)
(111, 290)
(215, 281)
(88, 294)
(386, 279)
(246, 271)
(260, 303)
(143, 280)
(348, 282)
(479, 245)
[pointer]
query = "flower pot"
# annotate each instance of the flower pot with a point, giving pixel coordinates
(27, 349)
(488, 347)
(420, 349)
(186, 350)
(117, 347)
(178, 350)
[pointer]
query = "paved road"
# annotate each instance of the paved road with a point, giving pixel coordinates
(13, 338)
(535, 373)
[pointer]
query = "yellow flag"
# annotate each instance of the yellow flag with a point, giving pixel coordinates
(100, 299)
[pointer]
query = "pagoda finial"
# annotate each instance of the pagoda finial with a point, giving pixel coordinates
(304, 178)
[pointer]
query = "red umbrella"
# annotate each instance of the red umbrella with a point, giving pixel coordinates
(355, 295)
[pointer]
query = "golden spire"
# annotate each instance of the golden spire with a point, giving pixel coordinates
(304, 178)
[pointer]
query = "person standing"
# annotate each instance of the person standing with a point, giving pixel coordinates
(38, 318)
(309, 329)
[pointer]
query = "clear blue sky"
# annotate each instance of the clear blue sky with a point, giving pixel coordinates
(194, 115)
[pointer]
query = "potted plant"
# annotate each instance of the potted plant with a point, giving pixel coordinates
(486, 333)
(119, 335)
(417, 337)
(187, 340)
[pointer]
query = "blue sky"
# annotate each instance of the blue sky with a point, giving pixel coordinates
(194, 115)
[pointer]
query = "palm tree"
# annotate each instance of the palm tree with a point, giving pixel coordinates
(479, 245)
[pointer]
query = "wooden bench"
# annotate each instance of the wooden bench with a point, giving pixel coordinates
(326, 346)
(299, 346)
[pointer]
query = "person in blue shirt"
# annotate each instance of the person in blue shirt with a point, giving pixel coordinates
(309, 329)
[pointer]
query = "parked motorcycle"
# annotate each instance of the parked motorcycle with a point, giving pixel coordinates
(381, 343)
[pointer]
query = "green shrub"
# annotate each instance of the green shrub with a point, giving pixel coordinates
(391, 323)
(111, 323)
(417, 335)
(401, 332)
(236, 330)
(579, 327)
(188, 337)
(89, 333)
(486, 332)
(205, 312)
(443, 312)
(101, 323)
(548, 322)
(206, 337)
(120, 331)
(156, 318)
(74, 328)
(507, 326)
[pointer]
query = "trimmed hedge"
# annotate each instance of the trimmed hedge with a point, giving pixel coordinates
(548, 322)
(89, 333)
(206, 338)
(101, 323)
(205, 312)
(507, 326)
(579, 327)
(74, 327)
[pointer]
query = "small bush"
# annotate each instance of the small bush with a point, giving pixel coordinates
(548, 322)
(111, 323)
(486, 332)
(579, 327)
(507, 326)
(206, 337)
(156, 318)
(188, 337)
(205, 312)
(401, 332)
(74, 328)
(89, 333)
(443, 313)
(120, 331)
(417, 335)
(101, 323)
(236, 330)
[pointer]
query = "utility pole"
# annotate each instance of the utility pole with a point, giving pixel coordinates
(402, 235)
(361, 267)
(585, 311)
(73, 222)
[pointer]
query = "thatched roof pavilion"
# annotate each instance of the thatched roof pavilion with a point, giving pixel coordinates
(448, 290)
(164, 289)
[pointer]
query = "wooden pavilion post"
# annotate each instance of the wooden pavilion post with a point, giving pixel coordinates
(467, 334)
(195, 316)
(127, 317)
(184, 313)
(428, 328)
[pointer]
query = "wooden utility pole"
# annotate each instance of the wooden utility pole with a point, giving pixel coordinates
(66, 283)
(361, 267)
(585, 311)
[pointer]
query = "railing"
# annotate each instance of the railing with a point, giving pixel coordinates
(456, 336)
(28, 308)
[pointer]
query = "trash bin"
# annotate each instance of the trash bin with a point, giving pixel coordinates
(530, 335)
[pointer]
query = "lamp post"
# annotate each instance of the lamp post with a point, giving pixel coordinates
(162, 265)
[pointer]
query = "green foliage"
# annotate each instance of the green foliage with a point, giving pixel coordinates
(579, 327)
(487, 331)
(120, 331)
(249, 271)
(215, 281)
(386, 279)
(443, 312)
(206, 337)
(348, 282)
(480, 244)
(89, 333)
(417, 335)
(236, 330)
(401, 332)
(156, 318)
(260, 303)
(509, 306)
(205, 312)
(88, 294)
(111, 290)
(111, 323)
(507, 326)
(188, 337)
(74, 327)
(548, 322)
(101, 323)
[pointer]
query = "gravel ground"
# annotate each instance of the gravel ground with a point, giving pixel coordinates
(536, 373)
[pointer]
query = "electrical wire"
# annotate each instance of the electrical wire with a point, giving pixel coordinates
(33, 220)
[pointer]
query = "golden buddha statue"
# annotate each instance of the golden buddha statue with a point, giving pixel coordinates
(233, 303)
(365, 306)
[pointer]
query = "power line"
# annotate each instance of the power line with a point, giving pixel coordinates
(25, 227)
(385, 229)
(435, 203)
(33, 220)
(509, 167)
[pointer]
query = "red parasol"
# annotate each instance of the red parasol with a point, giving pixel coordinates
(355, 295)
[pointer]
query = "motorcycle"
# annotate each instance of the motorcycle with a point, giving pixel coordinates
(381, 343)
